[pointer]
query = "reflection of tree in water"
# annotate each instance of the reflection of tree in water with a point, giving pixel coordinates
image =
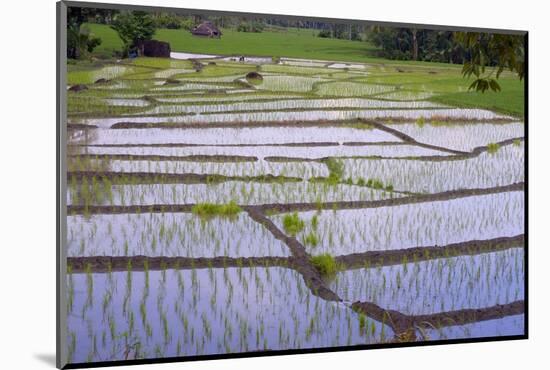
(93, 188)
(79, 139)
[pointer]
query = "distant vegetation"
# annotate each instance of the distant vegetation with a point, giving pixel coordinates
(474, 50)
(343, 31)
(251, 27)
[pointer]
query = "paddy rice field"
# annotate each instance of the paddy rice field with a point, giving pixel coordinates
(326, 205)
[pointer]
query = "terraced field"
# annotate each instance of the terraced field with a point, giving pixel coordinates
(326, 205)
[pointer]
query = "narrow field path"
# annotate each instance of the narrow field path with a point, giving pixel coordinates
(301, 207)
(405, 326)
(135, 178)
(155, 158)
(416, 254)
(98, 264)
(346, 262)
(301, 261)
(409, 139)
(421, 198)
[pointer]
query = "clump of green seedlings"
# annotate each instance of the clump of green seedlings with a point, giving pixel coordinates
(335, 169)
(493, 148)
(375, 184)
(517, 142)
(210, 210)
(362, 323)
(420, 121)
(293, 224)
(325, 264)
(311, 239)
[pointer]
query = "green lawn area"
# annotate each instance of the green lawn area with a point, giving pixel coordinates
(293, 43)
(452, 89)
(510, 100)
(110, 41)
(297, 43)
(445, 80)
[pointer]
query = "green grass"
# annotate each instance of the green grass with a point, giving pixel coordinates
(510, 100)
(296, 43)
(210, 210)
(289, 42)
(293, 224)
(451, 88)
(325, 264)
(110, 42)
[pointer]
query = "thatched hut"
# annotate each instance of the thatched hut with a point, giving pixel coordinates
(207, 29)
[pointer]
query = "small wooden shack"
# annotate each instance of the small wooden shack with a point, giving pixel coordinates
(206, 29)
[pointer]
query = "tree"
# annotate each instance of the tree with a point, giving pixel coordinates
(414, 31)
(133, 27)
(167, 20)
(80, 41)
(78, 15)
(355, 33)
(250, 26)
(491, 50)
(395, 43)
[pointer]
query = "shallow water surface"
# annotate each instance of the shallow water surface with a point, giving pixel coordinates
(205, 311)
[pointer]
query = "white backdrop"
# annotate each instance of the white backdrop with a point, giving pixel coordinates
(27, 207)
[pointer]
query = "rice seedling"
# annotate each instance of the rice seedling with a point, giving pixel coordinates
(209, 210)
(336, 170)
(351, 89)
(363, 323)
(493, 148)
(483, 171)
(293, 224)
(325, 264)
(311, 239)
(314, 222)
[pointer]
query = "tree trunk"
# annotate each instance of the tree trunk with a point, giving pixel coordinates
(415, 45)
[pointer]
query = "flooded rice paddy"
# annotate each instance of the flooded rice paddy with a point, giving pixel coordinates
(320, 207)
